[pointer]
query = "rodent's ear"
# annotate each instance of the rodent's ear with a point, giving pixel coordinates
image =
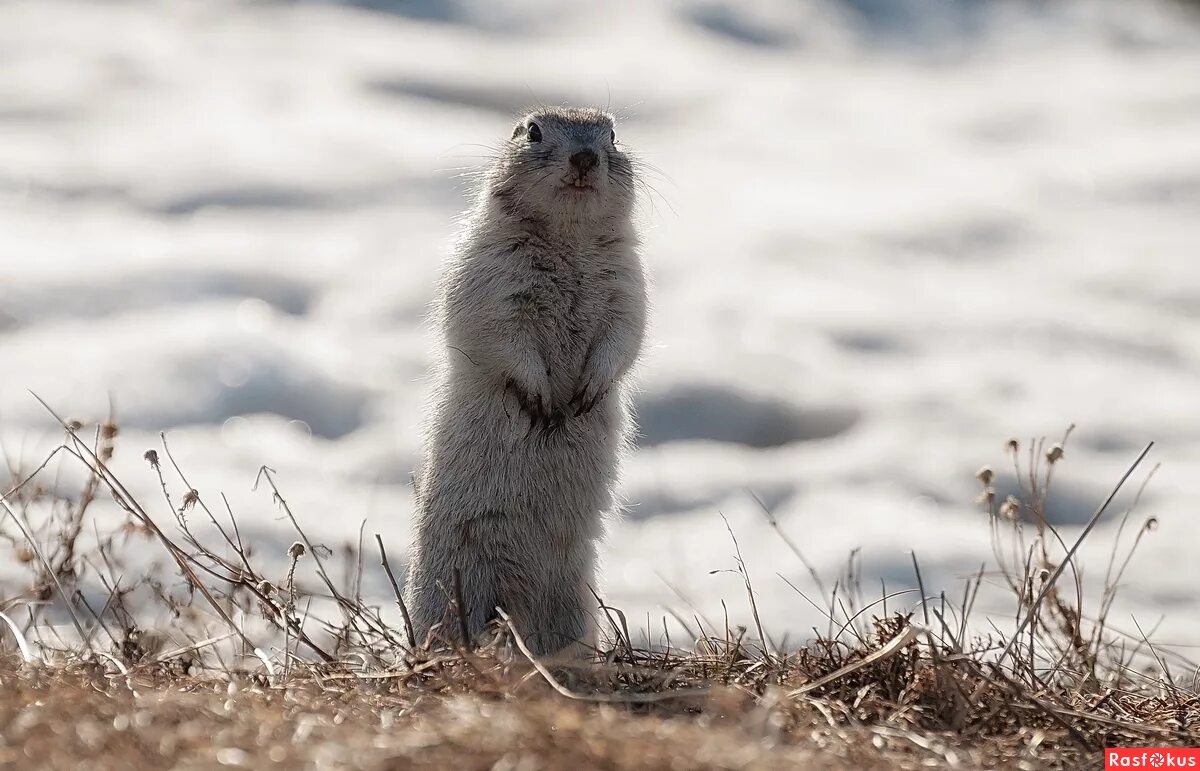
(518, 129)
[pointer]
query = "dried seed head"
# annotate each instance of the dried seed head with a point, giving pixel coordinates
(190, 499)
(265, 588)
(74, 425)
(1043, 575)
(1151, 524)
(1010, 508)
(108, 429)
(25, 554)
(1013, 445)
(106, 452)
(1055, 453)
(984, 475)
(151, 457)
(296, 550)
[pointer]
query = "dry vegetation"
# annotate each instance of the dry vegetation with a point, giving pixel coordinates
(214, 662)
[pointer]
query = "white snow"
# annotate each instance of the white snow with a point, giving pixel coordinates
(884, 237)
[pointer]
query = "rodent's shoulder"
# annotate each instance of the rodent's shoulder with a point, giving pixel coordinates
(470, 275)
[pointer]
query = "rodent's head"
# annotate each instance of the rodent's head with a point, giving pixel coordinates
(564, 162)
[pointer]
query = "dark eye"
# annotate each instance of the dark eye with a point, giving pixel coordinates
(613, 136)
(534, 132)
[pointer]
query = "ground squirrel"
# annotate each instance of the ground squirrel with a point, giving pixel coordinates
(542, 311)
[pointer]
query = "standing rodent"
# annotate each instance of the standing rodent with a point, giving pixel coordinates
(542, 311)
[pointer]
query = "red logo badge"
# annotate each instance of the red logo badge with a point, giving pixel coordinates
(1151, 757)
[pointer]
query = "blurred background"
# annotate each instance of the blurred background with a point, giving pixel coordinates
(885, 237)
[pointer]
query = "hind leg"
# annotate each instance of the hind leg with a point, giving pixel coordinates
(432, 603)
(551, 621)
(552, 611)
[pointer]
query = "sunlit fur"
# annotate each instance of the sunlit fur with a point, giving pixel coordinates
(542, 311)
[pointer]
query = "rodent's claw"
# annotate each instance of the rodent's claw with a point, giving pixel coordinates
(546, 418)
(554, 420)
(586, 400)
(536, 407)
(589, 405)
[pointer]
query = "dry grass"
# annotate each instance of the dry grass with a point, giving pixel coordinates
(223, 666)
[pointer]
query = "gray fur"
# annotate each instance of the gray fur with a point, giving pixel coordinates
(542, 312)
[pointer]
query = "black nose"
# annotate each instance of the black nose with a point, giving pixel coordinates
(584, 160)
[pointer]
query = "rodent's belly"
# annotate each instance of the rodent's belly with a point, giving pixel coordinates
(486, 454)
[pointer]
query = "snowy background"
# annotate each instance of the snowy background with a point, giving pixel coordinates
(886, 236)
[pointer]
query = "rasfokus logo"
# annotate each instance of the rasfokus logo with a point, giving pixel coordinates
(1151, 757)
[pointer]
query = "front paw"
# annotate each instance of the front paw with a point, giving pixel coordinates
(536, 404)
(589, 392)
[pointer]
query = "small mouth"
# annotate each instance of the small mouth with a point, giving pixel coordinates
(577, 186)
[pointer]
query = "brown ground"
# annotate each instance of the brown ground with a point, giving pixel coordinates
(90, 717)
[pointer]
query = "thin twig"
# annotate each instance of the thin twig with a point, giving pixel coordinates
(599, 698)
(762, 637)
(408, 627)
(460, 608)
(894, 646)
(26, 654)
